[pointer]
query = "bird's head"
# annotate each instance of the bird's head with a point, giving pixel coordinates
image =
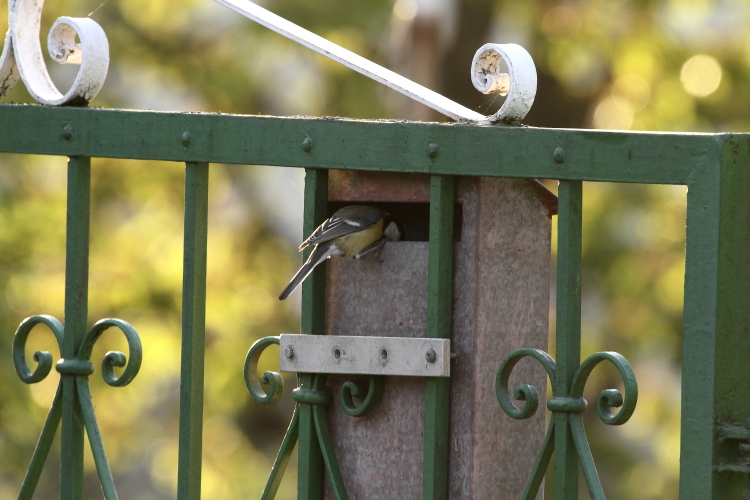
(392, 230)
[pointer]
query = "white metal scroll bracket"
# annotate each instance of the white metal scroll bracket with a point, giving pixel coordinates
(519, 84)
(22, 58)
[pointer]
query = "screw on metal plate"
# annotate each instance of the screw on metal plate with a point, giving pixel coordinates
(289, 352)
(558, 155)
(337, 353)
(186, 139)
(67, 131)
(430, 356)
(307, 145)
(432, 150)
(383, 355)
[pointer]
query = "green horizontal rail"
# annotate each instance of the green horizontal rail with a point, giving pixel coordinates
(659, 158)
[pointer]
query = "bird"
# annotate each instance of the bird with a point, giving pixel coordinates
(352, 231)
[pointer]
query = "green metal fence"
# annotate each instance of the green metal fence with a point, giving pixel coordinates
(716, 342)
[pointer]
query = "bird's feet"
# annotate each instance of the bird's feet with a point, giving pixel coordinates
(378, 245)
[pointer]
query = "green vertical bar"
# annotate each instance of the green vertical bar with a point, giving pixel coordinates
(568, 331)
(310, 475)
(439, 319)
(716, 339)
(76, 310)
(193, 331)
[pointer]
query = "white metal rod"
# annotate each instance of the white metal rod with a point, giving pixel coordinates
(351, 60)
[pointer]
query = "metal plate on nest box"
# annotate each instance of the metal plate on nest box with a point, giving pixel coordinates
(410, 357)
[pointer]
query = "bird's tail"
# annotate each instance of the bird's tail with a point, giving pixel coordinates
(318, 255)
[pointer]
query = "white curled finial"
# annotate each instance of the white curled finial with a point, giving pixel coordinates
(519, 84)
(22, 54)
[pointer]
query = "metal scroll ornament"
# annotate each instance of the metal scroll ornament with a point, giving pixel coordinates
(268, 389)
(519, 83)
(571, 404)
(22, 58)
(75, 371)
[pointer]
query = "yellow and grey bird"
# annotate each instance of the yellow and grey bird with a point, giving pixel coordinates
(352, 231)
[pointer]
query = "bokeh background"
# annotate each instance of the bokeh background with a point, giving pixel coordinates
(656, 65)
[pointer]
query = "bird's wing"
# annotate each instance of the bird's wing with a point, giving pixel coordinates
(337, 226)
(318, 255)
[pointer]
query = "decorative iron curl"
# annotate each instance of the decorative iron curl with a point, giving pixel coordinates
(43, 358)
(22, 54)
(519, 84)
(567, 410)
(371, 395)
(311, 398)
(114, 358)
(523, 392)
(272, 380)
(610, 398)
(77, 370)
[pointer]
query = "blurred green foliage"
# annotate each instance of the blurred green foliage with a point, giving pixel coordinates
(676, 65)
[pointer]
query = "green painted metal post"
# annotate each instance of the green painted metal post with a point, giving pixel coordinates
(42, 450)
(310, 476)
(716, 343)
(568, 331)
(76, 311)
(193, 331)
(439, 318)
